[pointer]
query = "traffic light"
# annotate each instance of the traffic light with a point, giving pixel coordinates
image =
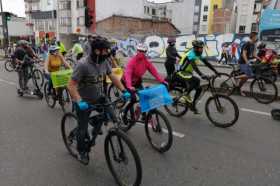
(88, 18)
(8, 16)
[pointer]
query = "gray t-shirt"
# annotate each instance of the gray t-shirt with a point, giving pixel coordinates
(89, 77)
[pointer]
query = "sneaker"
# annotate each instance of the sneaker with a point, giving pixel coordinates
(185, 99)
(83, 157)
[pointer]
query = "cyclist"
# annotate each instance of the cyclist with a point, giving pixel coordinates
(185, 75)
(24, 55)
(77, 50)
(135, 70)
(53, 63)
(62, 49)
(248, 53)
(86, 87)
(171, 57)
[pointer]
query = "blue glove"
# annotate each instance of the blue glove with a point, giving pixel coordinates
(126, 95)
(83, 105)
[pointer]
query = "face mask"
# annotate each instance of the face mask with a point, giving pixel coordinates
(198, 53)
(99, 59)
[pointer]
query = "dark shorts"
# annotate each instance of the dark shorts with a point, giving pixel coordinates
(246, 69)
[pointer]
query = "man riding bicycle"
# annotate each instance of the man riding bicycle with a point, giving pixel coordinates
(86, 88)
(185, 75)
(24, 56)
(248, 53)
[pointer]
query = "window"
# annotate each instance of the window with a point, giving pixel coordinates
(254, 27)
(205, 8)
(65, 5)
(196, 9)
(215, 7)
(195, 18)
(49, 2)
(148, 10)
(242, 29)
(203, 28)
(205, 18)
(80, 3)
(153, 11)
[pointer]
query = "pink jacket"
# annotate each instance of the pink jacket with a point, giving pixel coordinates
(136, 68)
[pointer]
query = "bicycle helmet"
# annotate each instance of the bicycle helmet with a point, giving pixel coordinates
(171, 40)
(261, 46)
(100, 43)
(22, 42)
(198, 44)
(141, 47)
(53, 49)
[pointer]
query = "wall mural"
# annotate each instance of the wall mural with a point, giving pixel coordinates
(157, 44)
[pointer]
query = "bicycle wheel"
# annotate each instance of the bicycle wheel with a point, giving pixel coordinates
(264, 90)
(69, 128)
(49, 96)
(158, 131)
(38, 78)
(9, 66)
(114, 94)
(177, 108)
(65, 100)
(122, 158)
(224, 84)
(222, 111)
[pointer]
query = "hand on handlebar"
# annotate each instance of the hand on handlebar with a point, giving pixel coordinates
(204, 77)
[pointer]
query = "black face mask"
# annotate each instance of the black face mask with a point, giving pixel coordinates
(198, 53)
(99, 59)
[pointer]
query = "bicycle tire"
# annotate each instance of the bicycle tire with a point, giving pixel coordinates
(122, 138)
(209, 111)
(48, 97)
(35, 75)
(163, 146)
(176, 103)
(226, 86)
(9, 66)
(65, 136)
(112, 91)
(258, 97)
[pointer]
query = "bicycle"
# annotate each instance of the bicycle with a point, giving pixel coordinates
(114, 145)
(61, 94)
(10, 65)
(179, 108)
(155, 122)
(262, 89)
(32, 73)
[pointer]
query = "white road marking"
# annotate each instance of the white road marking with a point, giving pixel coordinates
(255, 112)
(8, 82)
(176, 134)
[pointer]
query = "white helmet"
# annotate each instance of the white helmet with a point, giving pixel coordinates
(142, 47)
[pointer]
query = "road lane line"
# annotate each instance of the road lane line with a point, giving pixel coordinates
(255, 112)
(176, 134)
(8, 82)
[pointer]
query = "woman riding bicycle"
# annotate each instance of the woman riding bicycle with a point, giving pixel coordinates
(135, 70)
(54, 63)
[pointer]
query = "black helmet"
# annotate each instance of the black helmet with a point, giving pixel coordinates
(198, 44)
(100, 43)
(261, 46)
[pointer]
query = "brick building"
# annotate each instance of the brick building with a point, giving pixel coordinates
(122, 25)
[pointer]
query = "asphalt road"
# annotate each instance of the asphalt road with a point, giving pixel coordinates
(32, 152)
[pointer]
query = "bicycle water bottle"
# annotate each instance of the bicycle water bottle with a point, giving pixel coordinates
(137, 112)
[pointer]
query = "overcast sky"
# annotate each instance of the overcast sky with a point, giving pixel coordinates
(17, 6)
